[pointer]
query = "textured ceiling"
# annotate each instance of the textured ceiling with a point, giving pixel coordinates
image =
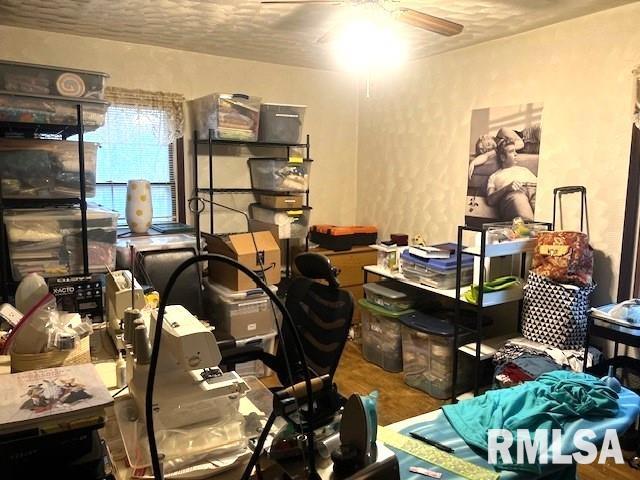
(285, 34)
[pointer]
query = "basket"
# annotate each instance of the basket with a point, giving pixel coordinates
(21, 362)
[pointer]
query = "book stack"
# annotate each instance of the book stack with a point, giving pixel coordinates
(49, 421)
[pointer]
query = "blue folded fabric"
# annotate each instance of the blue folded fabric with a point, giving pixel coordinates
(550, 402)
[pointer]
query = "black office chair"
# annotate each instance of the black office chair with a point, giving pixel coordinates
(322, 315)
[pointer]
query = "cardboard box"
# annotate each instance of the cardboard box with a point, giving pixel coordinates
(281, 201)
(239, 246)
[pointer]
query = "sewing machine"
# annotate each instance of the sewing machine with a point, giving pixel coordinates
(189, 387)
(119, 298)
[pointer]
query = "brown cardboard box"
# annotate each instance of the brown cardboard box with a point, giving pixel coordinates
(281, 201)
(239, 246)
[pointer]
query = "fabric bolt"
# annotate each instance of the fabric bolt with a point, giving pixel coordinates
(551, 402)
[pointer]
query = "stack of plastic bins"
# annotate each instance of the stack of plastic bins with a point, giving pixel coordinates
(49, 95)
(381, 336)
(241, 314)
(436, 272)
(45, 168)
(427, 353)
(231, 116)
(49, 241)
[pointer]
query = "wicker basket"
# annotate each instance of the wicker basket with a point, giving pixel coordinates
(21, 362)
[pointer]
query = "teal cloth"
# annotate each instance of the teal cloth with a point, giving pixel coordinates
(551, 402)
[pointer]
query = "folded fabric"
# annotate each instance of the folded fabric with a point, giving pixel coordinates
(501, 283)
(535, 365)
(550, 402)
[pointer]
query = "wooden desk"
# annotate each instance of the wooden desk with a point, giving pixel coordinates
(351, 264)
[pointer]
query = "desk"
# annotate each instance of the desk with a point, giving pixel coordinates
(618, 334)
(435, 425)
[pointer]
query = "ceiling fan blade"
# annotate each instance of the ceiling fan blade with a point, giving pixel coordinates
(302, 2)
(427, 22)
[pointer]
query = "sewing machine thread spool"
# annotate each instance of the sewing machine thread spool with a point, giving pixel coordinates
(141, 346)
(136, 323)
(130, 315)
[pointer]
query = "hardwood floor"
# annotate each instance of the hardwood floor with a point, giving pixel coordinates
(398, 401)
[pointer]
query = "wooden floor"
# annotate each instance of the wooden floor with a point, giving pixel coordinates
(398, 401)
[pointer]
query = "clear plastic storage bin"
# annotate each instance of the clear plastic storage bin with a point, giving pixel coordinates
(48, 80)
(231, 116)
(256, 368)
(435, 272)
(280, 123)
(280, 174)
(241, 314)
(381, 336)
(49, 110)
(384, 295)
(427, 355)
(49, 241)
(291, 223)
(45, 168)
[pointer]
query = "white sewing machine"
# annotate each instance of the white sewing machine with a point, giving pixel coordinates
(118, 299)
(189, 387)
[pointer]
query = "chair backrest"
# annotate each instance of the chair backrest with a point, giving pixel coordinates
(322, 315)
(158, 265)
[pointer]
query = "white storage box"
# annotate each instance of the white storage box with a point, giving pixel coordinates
(256, 368)
(280, 174)
(45, 168)
(152, 243)
(281, 123)
(291, 223)
(48, 80)
(384, 295)
(241, 314)
(427, 355)
(230, 116)
(48, 110)
(381, 336)
(49, 241)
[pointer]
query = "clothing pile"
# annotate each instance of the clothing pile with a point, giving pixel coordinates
(520, 360)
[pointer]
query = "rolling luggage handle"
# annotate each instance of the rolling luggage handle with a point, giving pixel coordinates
(557, 194)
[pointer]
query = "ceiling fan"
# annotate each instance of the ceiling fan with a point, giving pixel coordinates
(405, 15)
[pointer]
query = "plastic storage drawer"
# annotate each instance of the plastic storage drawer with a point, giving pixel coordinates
(27, 108)
(427, 355)
(281, 201)
(45, 168)
(384, 295)
(381, 336)
(48, 80)
(49, 241)
(256, 368)
(280, 123)
(241, 314)
(291, 223)
(231, 116)
(280, 174)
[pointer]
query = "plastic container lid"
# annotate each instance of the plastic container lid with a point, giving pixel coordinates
(283, 105)
(57, 214)
(383, 291)
(427, 323)
(438, 264)
(373, 308)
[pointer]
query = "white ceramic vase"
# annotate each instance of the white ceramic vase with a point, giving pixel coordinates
(139, 211)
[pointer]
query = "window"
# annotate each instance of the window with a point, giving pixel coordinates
(130, 149)
(137, 141)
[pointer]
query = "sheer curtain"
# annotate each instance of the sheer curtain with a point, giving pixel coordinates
(137, 142)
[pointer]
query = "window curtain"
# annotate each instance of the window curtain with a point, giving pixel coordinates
(172, 104)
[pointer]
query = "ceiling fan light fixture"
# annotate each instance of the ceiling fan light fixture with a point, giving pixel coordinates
(367, 46)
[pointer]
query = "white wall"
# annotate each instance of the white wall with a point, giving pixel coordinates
(414, 130)
(331, 98)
